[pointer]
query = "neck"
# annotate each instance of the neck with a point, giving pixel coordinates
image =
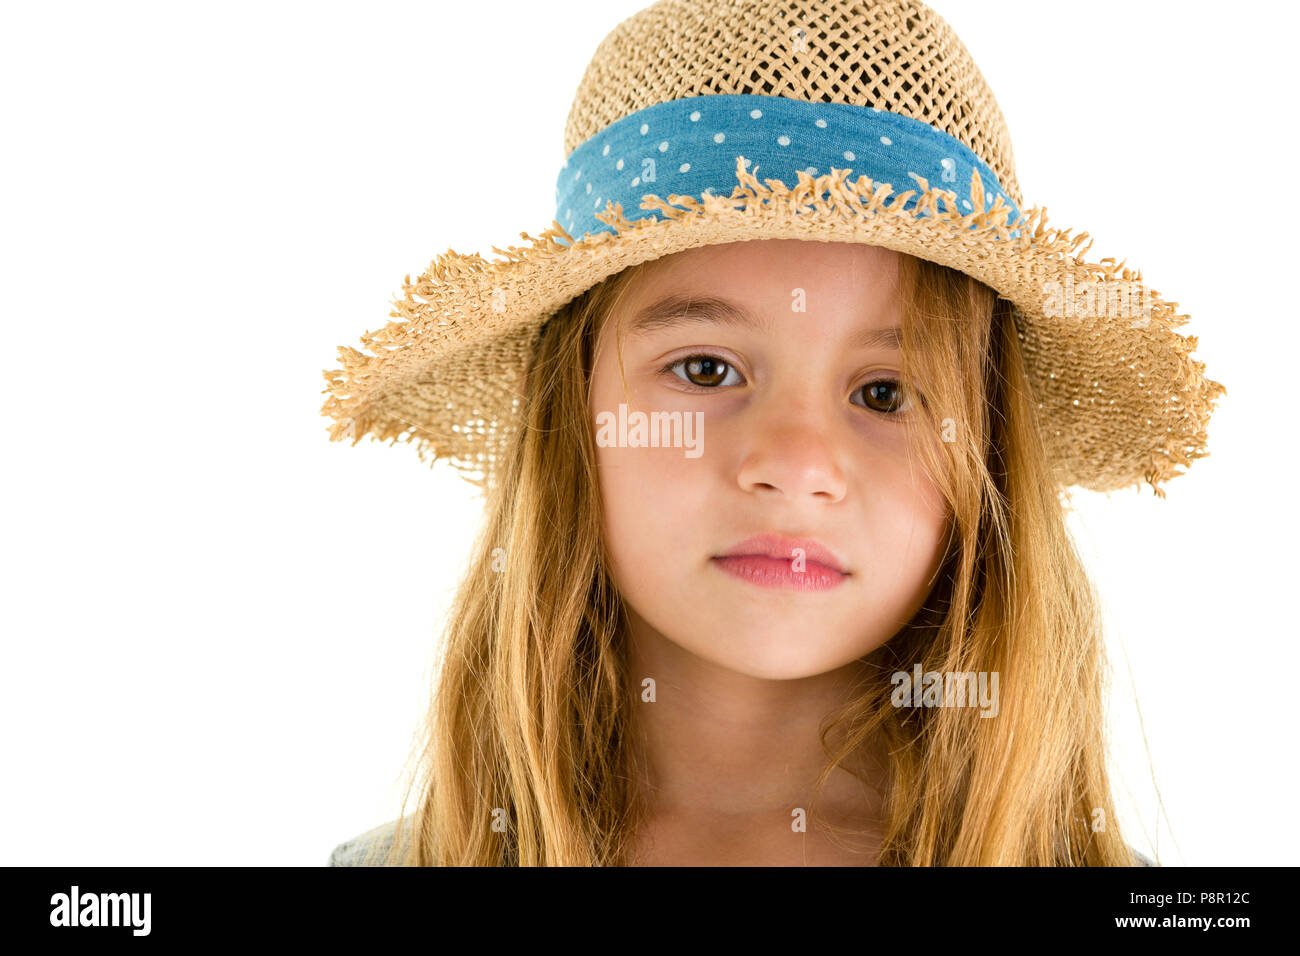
(720, 743)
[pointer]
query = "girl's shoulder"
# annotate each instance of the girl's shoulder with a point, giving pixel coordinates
(369, 848)
(1142, 860)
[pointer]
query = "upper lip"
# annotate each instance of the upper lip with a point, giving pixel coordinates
(782, 546)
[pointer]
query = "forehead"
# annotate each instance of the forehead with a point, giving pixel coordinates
(755, 283)
(786, 257)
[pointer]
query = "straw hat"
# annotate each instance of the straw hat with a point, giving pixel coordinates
(869, 123)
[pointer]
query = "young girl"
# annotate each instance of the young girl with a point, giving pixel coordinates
(775, 568)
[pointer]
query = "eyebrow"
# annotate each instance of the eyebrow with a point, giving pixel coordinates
(673, 311)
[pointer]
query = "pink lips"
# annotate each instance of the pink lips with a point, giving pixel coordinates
(770, 560)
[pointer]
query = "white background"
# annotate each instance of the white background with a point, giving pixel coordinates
(218, 625)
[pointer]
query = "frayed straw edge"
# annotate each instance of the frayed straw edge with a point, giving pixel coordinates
(828, 194)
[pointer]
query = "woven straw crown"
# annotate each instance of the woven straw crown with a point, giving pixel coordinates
(895, 56)
(1119, 401)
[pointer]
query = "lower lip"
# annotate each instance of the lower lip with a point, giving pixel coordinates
(780, 573)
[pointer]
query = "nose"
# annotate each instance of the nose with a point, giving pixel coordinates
(790, 454)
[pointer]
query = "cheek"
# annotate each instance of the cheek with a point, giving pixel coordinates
(906, 516)
(651, 498)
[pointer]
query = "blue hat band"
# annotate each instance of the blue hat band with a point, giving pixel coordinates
(689, 146)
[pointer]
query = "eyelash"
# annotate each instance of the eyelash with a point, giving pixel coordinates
(701, 389)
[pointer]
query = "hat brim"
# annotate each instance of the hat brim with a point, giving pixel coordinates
(1121, 400)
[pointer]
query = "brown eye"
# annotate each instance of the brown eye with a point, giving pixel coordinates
(702, 371)
(885, 396)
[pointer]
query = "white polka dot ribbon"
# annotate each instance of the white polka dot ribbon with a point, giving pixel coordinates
(690, 146)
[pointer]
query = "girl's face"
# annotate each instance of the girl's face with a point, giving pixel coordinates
(789, 411)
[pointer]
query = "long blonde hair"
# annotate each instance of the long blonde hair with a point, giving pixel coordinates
(528, 750)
